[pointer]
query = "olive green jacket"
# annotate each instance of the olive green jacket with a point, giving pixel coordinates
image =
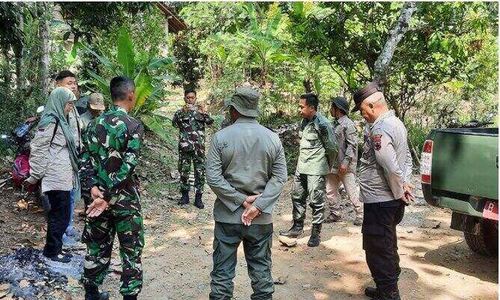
(245, 159)
(318, 148)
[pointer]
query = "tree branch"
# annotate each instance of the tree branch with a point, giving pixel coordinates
(395, 35)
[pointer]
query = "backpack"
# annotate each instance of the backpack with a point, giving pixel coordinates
(20, 169)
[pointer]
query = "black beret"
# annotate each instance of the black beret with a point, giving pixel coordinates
(364, 93)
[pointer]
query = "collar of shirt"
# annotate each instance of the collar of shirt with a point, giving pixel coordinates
(383, 116)
(243, 119)
(341, 119)
(119, 108)
(306, 122)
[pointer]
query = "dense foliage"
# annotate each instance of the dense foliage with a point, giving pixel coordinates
(444, 70)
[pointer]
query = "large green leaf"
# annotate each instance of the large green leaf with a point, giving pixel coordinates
(103, 60)
(298, 9)
(71, 55)
(126, 53)
(273, 24)
(143, 89)
(102, 83)
(161, 126)
(157, 63)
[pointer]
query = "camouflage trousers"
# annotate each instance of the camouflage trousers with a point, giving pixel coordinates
(198, 160)
(125, 220)
(312, 188)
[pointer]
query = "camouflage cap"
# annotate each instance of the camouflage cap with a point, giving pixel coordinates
(364, 93)
(96, 101)
(246, 101)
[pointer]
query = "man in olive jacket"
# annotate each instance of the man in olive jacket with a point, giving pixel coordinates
(318, 152)
(246, 169)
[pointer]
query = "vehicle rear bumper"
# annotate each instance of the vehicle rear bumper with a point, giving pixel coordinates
(472, 206)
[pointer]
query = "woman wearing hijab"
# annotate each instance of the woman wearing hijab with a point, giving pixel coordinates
(54, 161)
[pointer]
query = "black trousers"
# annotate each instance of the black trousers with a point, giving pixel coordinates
(380, 241)
(57, 221)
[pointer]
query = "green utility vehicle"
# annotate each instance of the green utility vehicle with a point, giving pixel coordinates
(459, 169)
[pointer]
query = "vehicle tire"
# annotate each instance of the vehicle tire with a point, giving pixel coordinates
(486, 242)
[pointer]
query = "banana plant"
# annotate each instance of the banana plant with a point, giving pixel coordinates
(148, 77)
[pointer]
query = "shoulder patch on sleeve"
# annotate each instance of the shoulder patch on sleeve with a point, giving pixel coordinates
(377, 141)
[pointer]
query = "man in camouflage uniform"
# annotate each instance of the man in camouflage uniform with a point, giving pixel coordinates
(318, 152)
(112, 143)
(191, 121)
(95, 107)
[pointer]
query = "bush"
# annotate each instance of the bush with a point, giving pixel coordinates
(416, 136)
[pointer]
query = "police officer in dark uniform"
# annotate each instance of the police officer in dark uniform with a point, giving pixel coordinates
(384, 175)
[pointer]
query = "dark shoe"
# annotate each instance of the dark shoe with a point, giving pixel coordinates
(315, 238)
(371, 292)
(332, 219)
(197, 201)
(92, 293)
(184, 198)
(130, 297)
(358, 221)
(60, 258)
(390, 294)
(296, 230)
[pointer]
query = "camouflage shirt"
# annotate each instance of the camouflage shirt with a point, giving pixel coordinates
(191, 124)
(112, 144)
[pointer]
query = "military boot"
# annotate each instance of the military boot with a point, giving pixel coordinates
(184, 199)
(130, 297)
(296, 230)
(197, 201)
(315, 239)
(371, 292)
(387, 294)
(332, 218)
(92, 293)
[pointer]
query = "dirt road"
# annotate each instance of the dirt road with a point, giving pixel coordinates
(177, 260)
(435, 260)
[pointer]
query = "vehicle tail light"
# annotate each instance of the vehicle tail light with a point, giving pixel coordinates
(426, 162)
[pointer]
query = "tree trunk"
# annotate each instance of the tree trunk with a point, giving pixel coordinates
(6, 71)
(43, 33)
(19, 58)
(19, 67)
(382, 63)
